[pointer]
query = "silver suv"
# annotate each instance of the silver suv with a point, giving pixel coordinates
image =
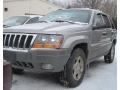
(64, 41)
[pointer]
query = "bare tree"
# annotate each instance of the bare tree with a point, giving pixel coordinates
(94, 4)
(110, 7)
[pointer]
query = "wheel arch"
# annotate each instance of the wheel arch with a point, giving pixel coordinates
(83, 46)
(115, 41)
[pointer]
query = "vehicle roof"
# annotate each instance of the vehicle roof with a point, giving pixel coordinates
(93, 10)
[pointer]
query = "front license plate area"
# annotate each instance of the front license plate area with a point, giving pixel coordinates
(9, 56)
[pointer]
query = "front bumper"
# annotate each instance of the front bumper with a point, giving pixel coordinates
(43, 60)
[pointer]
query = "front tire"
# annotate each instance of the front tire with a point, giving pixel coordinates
(109, 58)
(75, 68)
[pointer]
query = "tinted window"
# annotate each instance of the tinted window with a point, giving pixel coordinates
(98, 20)
(82, 16)
(33, 20)
(106, 21)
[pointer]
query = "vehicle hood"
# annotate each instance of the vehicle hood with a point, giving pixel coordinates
(53, 27)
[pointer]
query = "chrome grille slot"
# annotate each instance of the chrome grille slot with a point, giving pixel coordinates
(16, 40)
(7, 39)
(21, 45)
(20, 41)
(28, 41)
(11, 40)
(3, 38)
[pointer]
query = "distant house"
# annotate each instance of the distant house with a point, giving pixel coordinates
(21, 7)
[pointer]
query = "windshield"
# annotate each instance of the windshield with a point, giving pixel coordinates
(16, 20)
(82, 16)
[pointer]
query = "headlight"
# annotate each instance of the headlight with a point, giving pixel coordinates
(48, 41)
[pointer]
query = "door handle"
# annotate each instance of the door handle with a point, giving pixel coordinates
(104, 33)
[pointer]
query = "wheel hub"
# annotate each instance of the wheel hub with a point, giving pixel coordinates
(78, 68)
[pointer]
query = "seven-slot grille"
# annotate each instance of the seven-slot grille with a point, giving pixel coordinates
(15, 40)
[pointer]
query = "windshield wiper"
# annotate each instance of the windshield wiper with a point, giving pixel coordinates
(64, 21)
(42, 21)
(69, 22)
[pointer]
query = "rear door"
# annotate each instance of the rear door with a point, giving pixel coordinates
(109, 33)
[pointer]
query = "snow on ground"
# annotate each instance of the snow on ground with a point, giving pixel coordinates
(100, 76)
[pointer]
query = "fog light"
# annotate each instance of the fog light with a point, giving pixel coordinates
(47, 66)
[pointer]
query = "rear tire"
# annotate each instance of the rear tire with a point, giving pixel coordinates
(17, 71)
(109, 58)
(75, 68)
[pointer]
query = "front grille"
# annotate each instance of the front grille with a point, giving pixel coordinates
(15, 40)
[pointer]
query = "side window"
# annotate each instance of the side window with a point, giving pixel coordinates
(33, 20)
(98, 21)
(106, 21)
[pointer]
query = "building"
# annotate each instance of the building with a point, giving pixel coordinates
(21, 7)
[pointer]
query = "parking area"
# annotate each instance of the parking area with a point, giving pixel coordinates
(100, 76)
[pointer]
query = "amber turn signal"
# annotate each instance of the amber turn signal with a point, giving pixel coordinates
(37, 45)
